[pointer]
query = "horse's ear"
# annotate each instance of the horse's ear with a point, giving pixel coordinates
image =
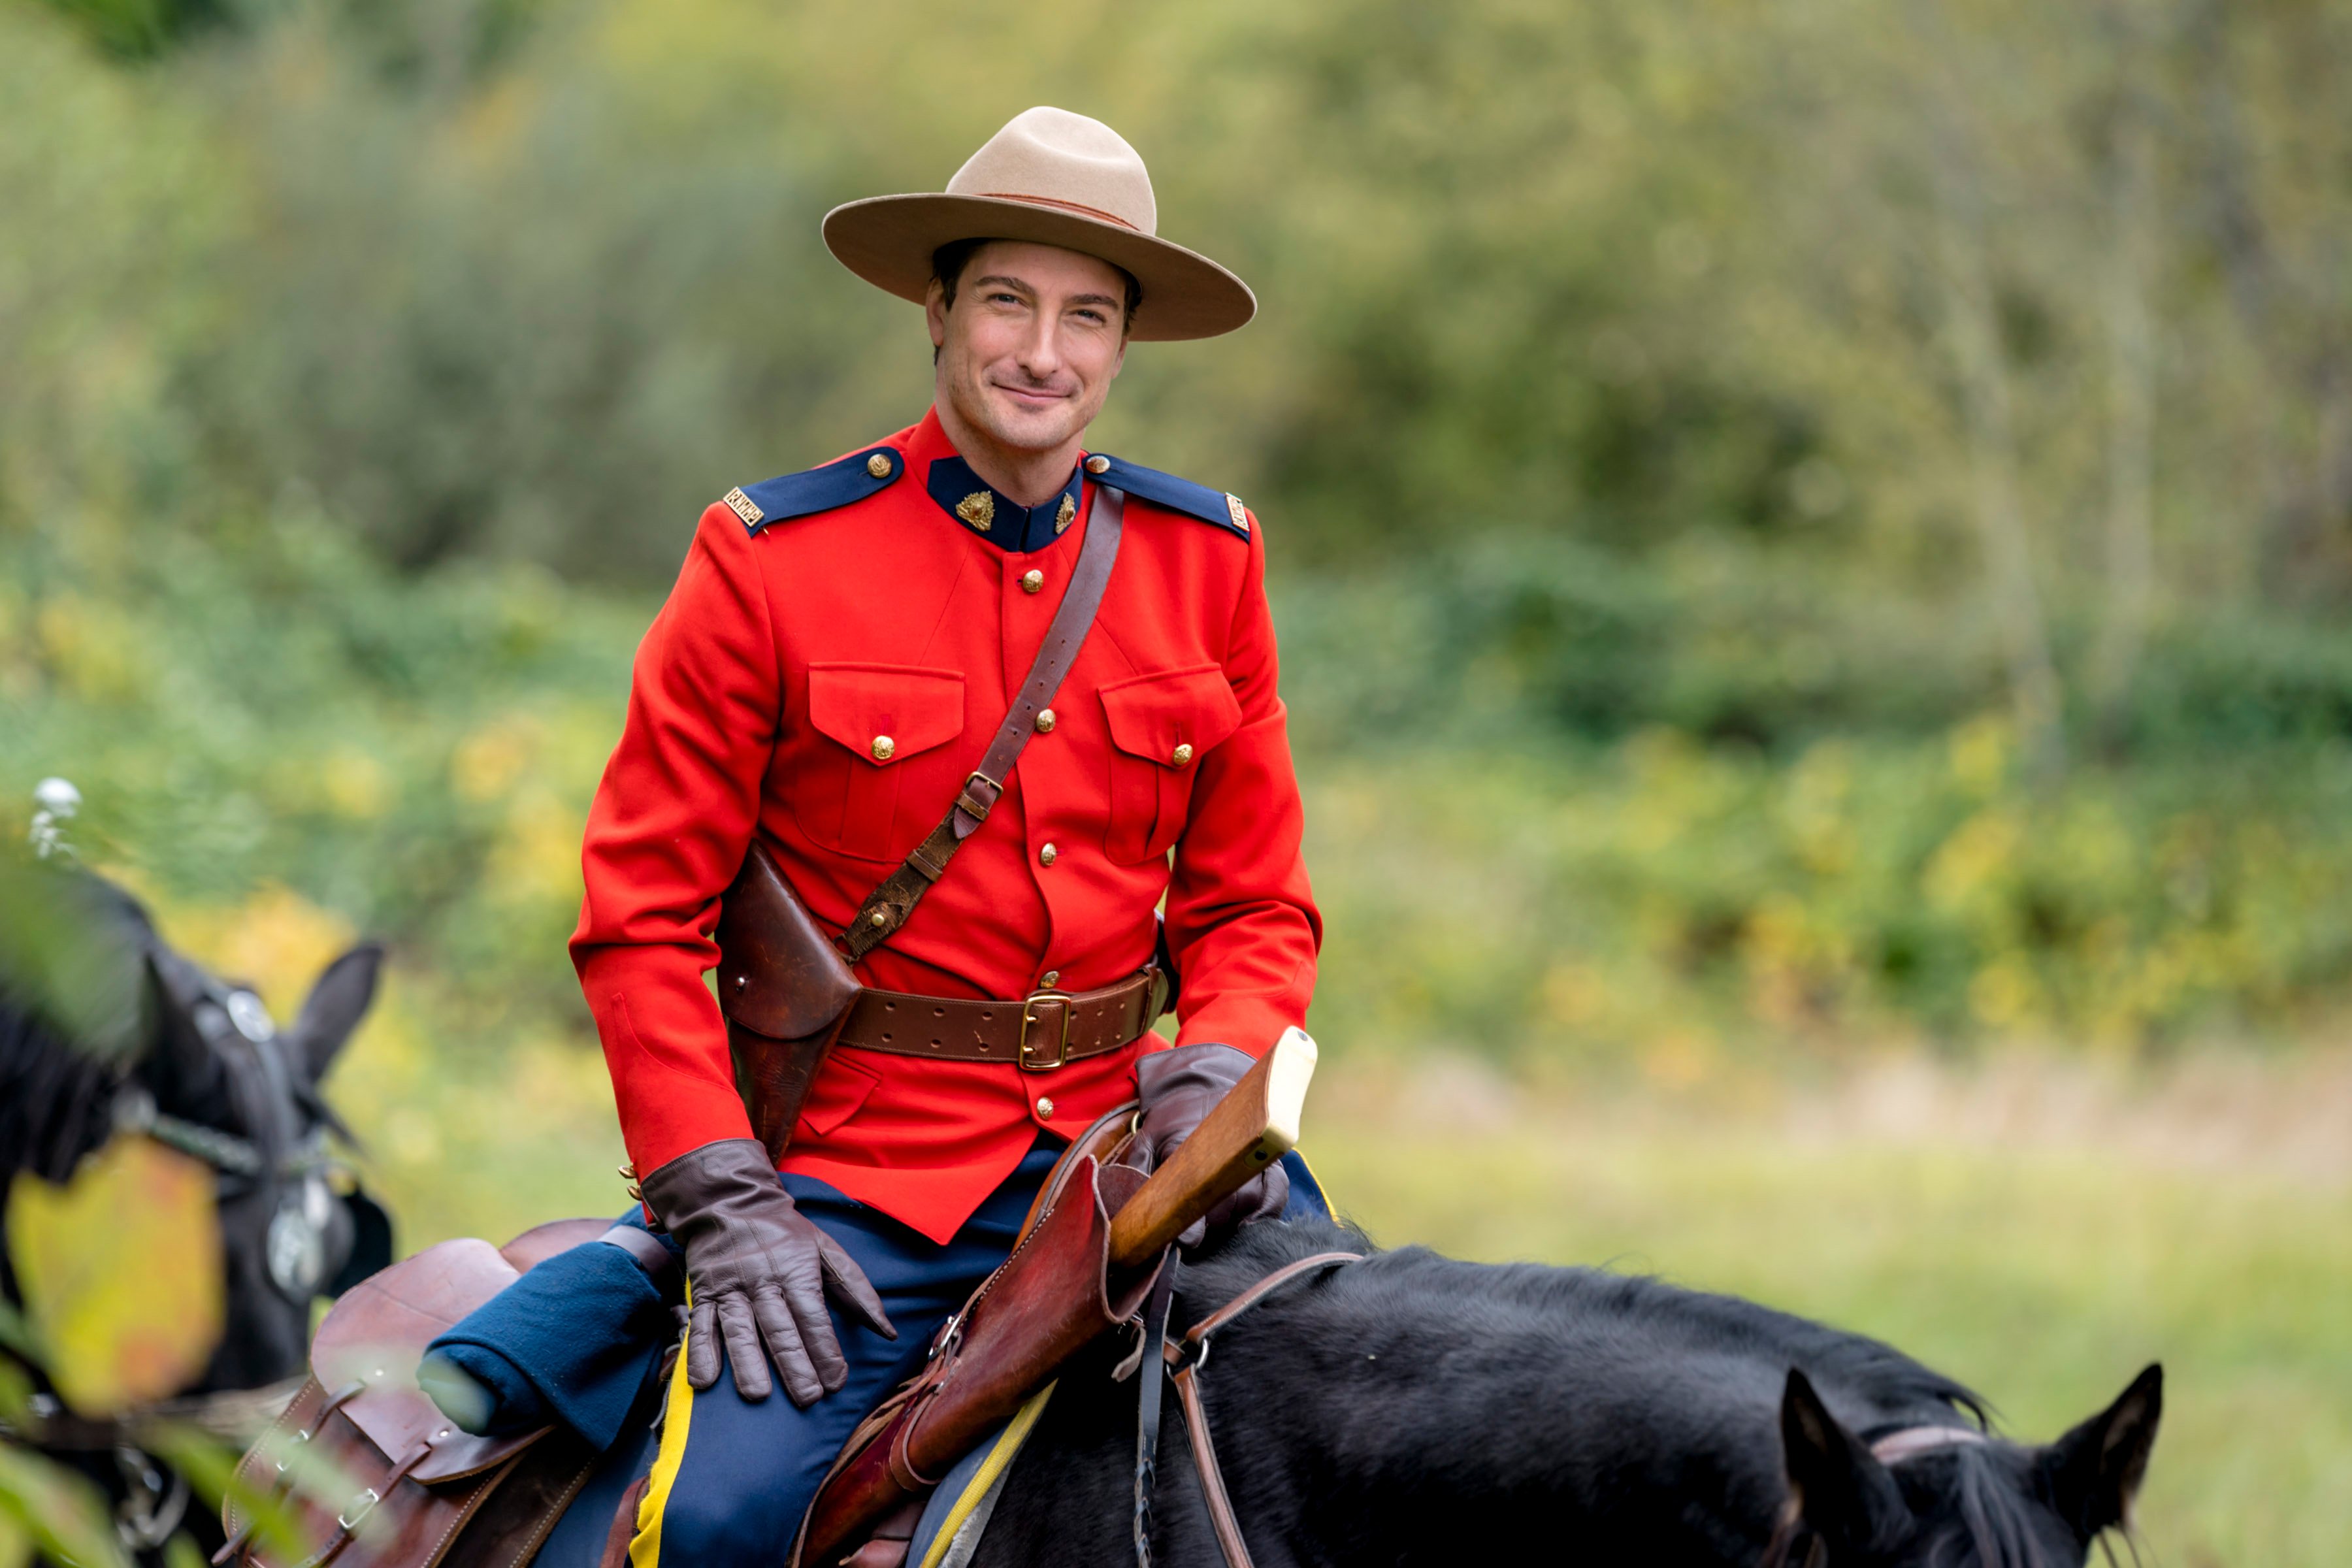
(334, 1007)
(1838, 1487)
(2095, 1470)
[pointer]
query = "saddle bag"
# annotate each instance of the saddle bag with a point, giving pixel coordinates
(406, 1481)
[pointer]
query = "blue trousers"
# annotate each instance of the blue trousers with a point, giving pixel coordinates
(729, 1479)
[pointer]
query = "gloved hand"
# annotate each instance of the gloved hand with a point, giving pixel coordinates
(759, 1271)
(1177, 1089)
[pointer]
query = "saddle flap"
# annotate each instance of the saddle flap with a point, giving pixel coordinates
(376, 1336)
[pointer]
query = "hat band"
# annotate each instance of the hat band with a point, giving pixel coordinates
(1065, 206)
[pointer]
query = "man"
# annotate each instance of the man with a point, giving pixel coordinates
(839, 649)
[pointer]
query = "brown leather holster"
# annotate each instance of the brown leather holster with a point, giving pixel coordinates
(1053, 1296)
(784, 989)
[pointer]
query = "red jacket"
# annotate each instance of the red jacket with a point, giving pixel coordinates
(785, 649)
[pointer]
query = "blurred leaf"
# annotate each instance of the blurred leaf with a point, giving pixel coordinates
(60, 1511)
(120, 1270)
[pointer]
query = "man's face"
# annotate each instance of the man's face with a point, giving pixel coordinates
(1035, 340)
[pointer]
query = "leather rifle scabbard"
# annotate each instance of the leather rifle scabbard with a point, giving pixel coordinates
(1057, 1294)
(784, 989)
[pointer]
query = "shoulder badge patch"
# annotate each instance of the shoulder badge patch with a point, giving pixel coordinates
(1177, 495)
(835, 485)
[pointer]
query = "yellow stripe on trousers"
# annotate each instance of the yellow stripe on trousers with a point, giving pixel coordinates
(677, 1414)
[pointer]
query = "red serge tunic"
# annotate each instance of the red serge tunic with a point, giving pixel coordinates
(783, 653)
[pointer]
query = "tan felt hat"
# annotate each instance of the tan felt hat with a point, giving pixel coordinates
(1055, 178)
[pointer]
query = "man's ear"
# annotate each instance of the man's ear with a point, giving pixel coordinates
(2095, 1470)
(1840, 1491)
(334, 1007)
(935, 310)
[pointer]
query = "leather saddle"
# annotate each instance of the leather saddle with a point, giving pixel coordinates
(368, 1472)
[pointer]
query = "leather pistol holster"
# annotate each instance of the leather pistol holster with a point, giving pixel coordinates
(784, 989)
(1047, 1301)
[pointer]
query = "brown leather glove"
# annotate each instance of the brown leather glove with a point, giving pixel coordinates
(1178, 1089)
(757, 1270)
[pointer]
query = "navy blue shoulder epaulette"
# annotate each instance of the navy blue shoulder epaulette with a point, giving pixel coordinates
(1175, 494)
(852, 478)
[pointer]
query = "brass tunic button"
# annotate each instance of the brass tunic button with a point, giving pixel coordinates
(1045, 721)
(1097, 464)
(1031, 580)
(1048, 855)
(1044, 1109)
(1183, 755)
(1052, 977)
(879, 465)
(883, 746)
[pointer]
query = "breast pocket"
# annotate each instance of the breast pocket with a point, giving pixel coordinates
(883, 757)
(1162, 727)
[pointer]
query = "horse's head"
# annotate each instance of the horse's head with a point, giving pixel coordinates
(198, 1063)
(1951, 1496)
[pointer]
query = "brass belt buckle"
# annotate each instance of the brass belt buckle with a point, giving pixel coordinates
(1028, 1056)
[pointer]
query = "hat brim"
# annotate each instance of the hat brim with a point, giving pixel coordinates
(888, 241)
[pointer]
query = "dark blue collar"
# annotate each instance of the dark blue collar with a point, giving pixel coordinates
(980, 509)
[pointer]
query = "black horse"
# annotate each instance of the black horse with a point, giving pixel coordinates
(104, 1028)
(1411, 1409)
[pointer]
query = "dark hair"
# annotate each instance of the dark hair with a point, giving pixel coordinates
(949, 261)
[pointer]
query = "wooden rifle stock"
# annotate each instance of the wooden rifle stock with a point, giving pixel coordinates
(1253, 1126)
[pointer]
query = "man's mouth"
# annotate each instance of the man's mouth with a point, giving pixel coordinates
(1031, 396)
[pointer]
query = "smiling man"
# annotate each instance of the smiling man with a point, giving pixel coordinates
(843, 650)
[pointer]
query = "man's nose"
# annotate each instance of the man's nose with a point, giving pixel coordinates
(1040, 353)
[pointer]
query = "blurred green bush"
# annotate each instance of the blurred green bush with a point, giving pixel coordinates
(1821, 522)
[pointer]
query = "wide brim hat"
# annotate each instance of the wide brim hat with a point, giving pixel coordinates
(1054, 178)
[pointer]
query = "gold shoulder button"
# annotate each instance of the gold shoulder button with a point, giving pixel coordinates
(879, 465)
(1098, 464)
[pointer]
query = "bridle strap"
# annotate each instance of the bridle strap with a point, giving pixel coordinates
(1913, 1441)
(1183, 1360)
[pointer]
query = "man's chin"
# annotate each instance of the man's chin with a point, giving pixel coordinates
(1027, 428)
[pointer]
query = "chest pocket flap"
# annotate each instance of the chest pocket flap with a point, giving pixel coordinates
(1151, 715)
(886, 713)
(1161, 727)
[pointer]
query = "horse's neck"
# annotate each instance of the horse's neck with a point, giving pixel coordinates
(1436, 1443)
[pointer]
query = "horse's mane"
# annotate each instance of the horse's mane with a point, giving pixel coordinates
(1981, 1515)
(1413, 1278)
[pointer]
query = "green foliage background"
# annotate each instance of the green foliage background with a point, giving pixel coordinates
(1797, 530)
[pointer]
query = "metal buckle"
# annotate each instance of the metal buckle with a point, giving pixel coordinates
(1029, 1016)
(358, 1508)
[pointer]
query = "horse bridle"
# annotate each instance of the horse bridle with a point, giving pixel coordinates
(270, 1095)
(1180, 1361)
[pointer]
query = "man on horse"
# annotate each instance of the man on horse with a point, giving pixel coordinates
(828, 676)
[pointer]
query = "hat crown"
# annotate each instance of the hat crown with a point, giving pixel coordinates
(1057, 159)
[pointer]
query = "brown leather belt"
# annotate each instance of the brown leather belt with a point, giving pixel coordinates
(1038, 1033)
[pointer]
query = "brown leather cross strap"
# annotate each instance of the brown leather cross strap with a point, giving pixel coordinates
(1184, 1358)
(1039, 1032)
(887, 907)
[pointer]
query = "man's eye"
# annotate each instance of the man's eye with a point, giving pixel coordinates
(1096, 317)
(1003, 299)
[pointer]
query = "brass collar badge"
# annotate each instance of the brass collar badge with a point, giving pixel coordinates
(978, 510)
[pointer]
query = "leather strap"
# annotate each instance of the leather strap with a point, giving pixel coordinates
(1147, 1409)
(1184, 1359)
(1038, 1033)
(887, 906)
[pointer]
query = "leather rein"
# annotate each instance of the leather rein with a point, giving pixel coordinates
(1180, 1361)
